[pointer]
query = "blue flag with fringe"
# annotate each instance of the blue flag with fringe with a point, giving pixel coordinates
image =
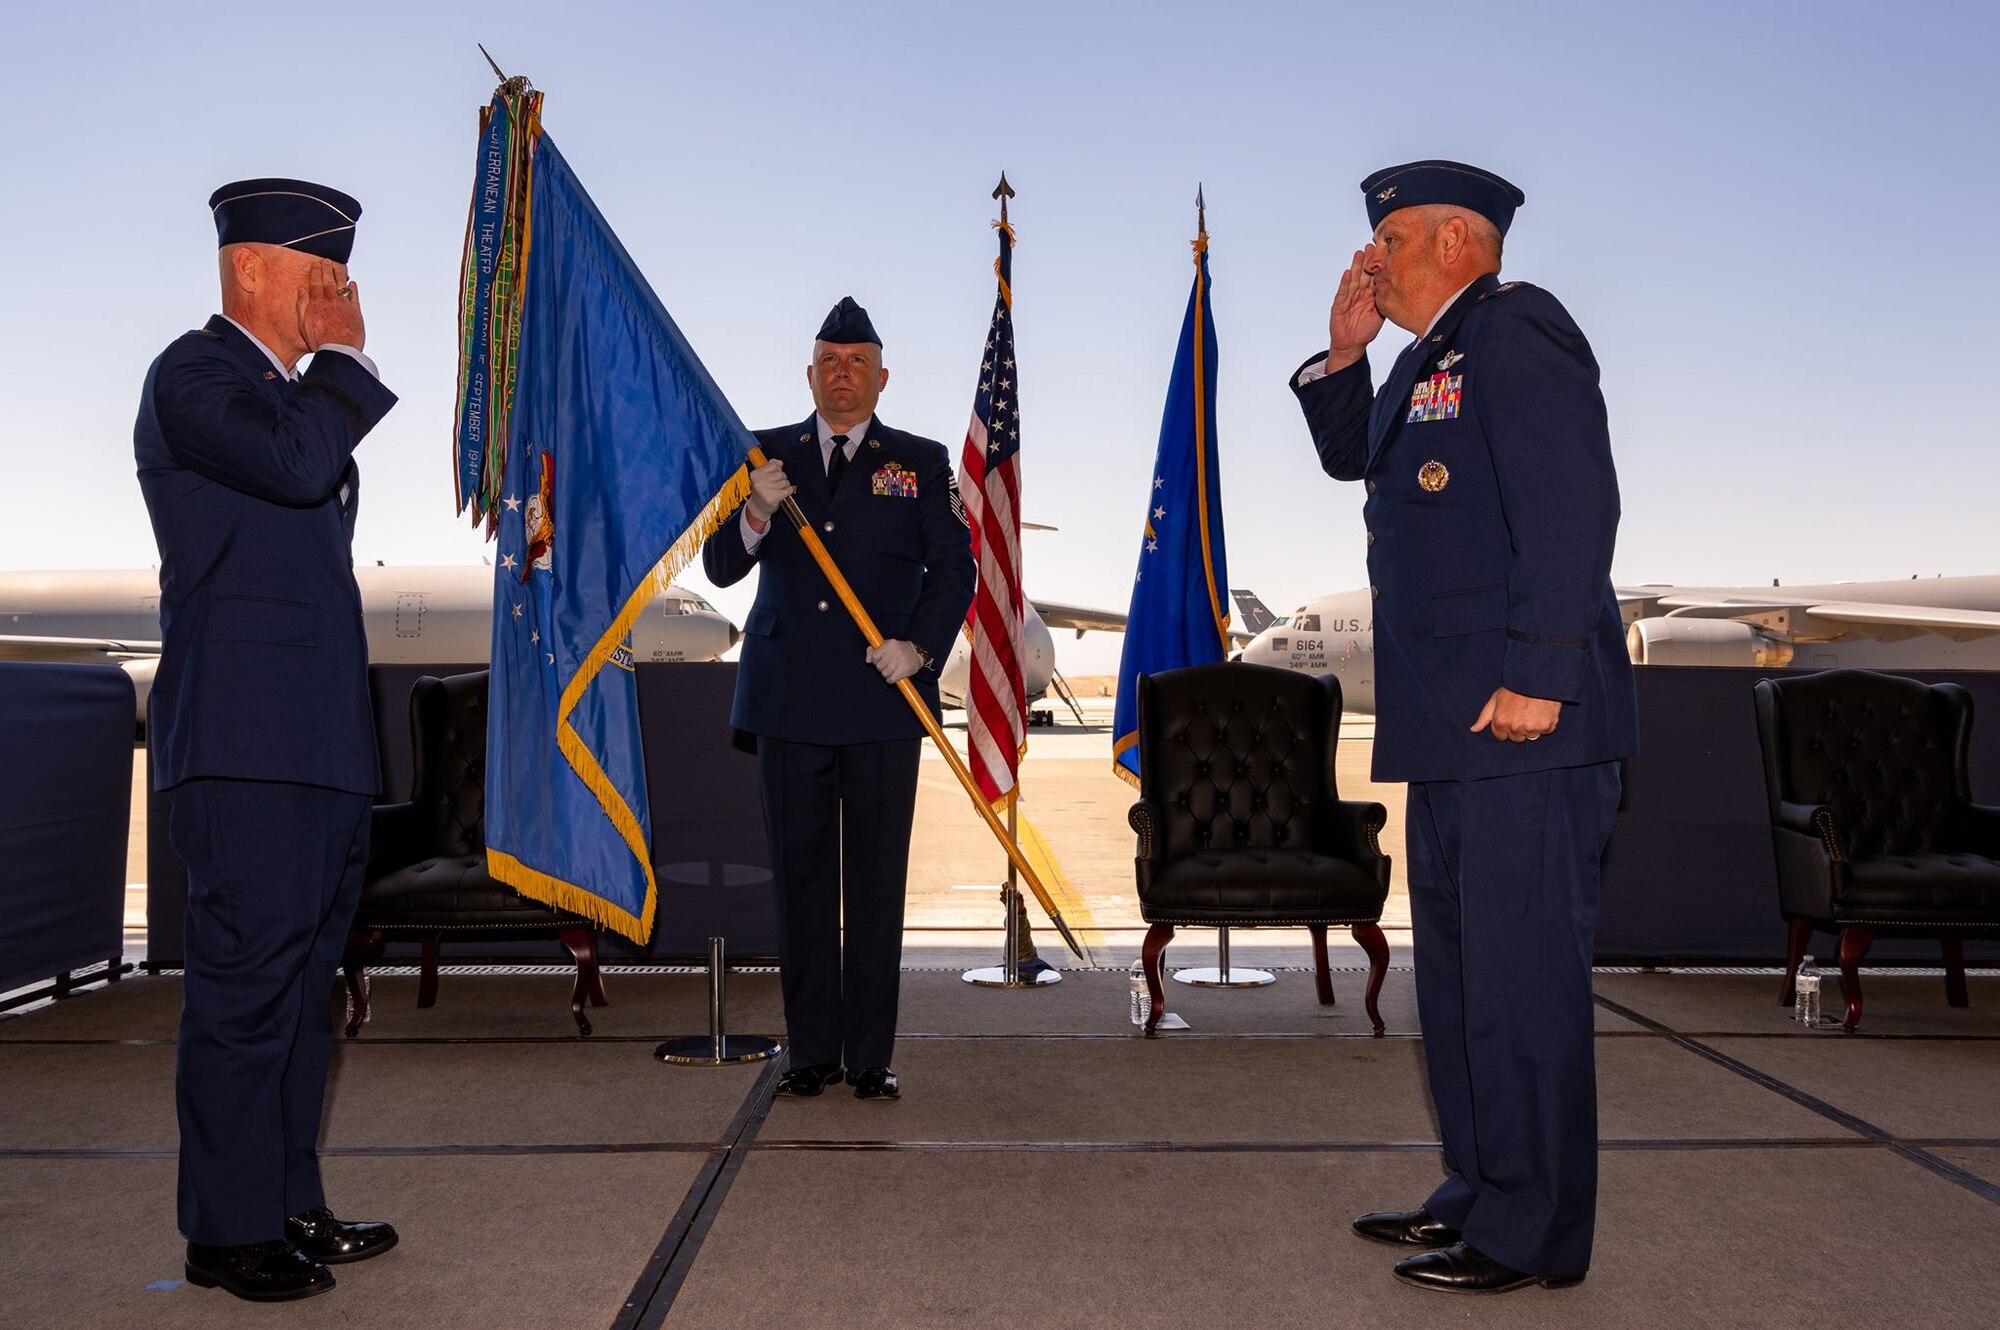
(614, 456)
(1178, 615)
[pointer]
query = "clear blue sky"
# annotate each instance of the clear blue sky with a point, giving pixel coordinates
(1775, 221)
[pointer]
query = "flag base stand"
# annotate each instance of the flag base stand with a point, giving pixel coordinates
(1222, 976)
(716, 1049)
(1007, 974)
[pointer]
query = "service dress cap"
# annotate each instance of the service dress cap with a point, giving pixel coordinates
(847, 324)
(1414, 184)
(296, 214)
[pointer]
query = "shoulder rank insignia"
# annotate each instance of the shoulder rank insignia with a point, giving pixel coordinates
(1433, 476)
(1435, 398)
(896, 481)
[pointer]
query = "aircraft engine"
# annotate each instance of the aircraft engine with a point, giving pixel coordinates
(1683, 641)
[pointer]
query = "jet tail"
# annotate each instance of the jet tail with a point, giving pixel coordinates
(1255, 618)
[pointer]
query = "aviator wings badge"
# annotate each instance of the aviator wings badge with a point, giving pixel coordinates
(1451, 358)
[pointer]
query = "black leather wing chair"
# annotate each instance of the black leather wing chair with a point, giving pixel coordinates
(427, 876)
(1240, 822)
(1872, 818)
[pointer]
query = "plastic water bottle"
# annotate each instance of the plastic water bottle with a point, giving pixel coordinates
(1805, 1003)
(1142, 998)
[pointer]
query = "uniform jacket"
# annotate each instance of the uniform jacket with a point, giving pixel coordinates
(896, 530)
(1491, 510)
(252, 488)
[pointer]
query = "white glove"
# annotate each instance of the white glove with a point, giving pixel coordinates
(896, 659)
(769, 489)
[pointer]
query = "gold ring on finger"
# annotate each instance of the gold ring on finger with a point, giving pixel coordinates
(344, 292)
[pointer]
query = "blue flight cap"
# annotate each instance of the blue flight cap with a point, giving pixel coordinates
(294, 213)
(1416, 183)
(847, 323)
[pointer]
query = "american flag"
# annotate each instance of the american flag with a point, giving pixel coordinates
(990, 478)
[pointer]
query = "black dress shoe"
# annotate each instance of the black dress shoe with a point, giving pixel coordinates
(875, 1083)
(1406, 1228)
(805, 1082)
(1463, 1268)
(330, 1241)
(273, 1271)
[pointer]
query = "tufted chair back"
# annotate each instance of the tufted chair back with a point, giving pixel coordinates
(1237, 756)
(448, 752)
(1887, 755)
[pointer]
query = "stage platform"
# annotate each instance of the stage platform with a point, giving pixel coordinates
(1046, 1166)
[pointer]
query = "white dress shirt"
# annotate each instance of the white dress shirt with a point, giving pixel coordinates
(753, 538)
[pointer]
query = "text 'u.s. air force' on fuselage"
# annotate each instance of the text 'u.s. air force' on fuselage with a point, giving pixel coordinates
(1939, 623)
(417, 615)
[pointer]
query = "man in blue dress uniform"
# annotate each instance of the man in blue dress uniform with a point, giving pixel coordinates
(260, 727)
(837, 746)
(1503, 696)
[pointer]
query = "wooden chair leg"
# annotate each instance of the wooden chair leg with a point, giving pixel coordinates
(1151, 955)
(1954, 973)
(353, 962)
(1320, 970)
(1371, 940)
(582, 944)
(427, 973)
(1797, 938)
(1854, 944)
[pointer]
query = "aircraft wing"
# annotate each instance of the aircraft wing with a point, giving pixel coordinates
(1959, 625)
(65, 648)
(1809, 620)
(1079, 617)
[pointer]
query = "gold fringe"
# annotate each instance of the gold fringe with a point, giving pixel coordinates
(584, 762)
(1117, 750)
(534, 883)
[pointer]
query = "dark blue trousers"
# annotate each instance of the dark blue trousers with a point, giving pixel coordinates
(837, 821)
(1504, 877)
(274, 872)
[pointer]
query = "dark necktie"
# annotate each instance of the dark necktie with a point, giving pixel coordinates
(836, 462)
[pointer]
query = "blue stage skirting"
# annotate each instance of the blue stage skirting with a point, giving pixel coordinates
(65, 811)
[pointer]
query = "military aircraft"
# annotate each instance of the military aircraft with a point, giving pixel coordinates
(422, 615)
(1940, 623)
(1038, 651)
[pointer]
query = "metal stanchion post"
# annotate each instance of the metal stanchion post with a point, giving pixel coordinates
(1223, 976)
(716, 1048)
(1007, 974)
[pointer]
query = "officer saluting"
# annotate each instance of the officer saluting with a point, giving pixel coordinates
(260, 727)
(837, 746)
(1503, 696)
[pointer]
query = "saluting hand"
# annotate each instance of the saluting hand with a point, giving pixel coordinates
(895, 660)
(1354, 321)
(330, 310)
(1517, 717)
(768, 490)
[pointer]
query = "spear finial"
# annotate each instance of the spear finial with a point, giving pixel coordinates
(513, 87)
(1003, 191)
(1200, 212)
